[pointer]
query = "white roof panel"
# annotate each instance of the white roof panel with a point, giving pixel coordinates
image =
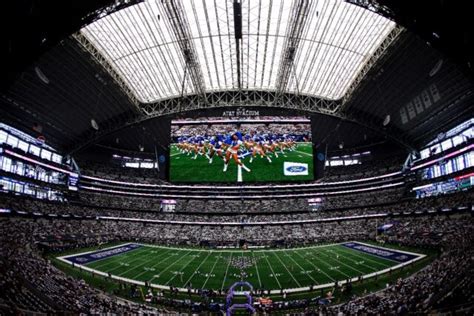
(337, 39)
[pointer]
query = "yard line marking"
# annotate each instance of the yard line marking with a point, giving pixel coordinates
(368, 259)
(225, 275)
(141, 257)
(142, 264)
(139, 265)
(315, 267)
(354, 269)
(302, 152)
(256, 268)
(291, 274)
(181, 270)
(241, 277)
(104, 263)
(329, 252)
(207, 279)
(169, 266)
(341, 272)
(356, 253)
(227, 250)
(355, 262)
(192, 274)
(303, 269)
(325, 263)
(239, 173)
(273, 272)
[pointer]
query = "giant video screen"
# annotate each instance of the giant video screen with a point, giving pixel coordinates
(241, 150)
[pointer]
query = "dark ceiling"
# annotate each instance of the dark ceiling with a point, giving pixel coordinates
(31, 27)
(326, 130)
(447, 25)
(80, 90)
(419, 101)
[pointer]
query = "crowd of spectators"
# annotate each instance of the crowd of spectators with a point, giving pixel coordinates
(62, 232)
(271, 213)
(25, 273)
(245, 129)
(112, 170)
(419, 231)
(365, 169)
(242, 206)
(419, 293)
(29, 281)
(243, 119)
(245, 206)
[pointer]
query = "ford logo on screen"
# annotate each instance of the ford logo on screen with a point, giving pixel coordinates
(295, 169)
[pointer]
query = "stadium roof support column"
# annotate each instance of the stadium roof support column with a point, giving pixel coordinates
(237, 5)
(294, 30)
(181, 29)
(96, 55)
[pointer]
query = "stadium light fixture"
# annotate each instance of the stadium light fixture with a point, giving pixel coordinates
(436, 68)
(41, 75)
(94, 124)
(386, 121)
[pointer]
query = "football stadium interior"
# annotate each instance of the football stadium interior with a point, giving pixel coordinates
(287, 157)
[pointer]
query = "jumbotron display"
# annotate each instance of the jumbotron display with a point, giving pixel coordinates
(257, 149)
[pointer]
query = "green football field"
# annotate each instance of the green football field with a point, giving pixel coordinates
(219, 269)
(185, 169)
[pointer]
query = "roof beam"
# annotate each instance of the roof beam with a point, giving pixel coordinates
(98, 57)
(312, 47)
(219, 99)
(245, 98)
(375, 124)
(180, 27)
(379, 53)
(294, 30)
(237, 5)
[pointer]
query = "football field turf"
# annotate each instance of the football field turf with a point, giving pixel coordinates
(275, 269)
(185, 169)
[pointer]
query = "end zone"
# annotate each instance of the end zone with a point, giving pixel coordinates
(95, 255)
(381, 252)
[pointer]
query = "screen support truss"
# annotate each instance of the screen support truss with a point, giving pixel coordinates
(238, 98)
(234, 98)
(181, 29)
